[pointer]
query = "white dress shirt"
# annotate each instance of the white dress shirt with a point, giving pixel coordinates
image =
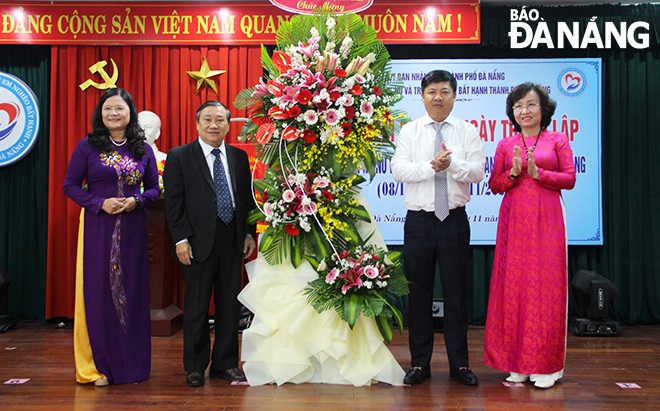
(411, 163)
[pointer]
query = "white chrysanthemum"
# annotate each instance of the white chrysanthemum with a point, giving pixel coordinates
(304, 224)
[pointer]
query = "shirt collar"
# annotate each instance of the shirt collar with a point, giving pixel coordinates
(428, 120)
(206, 149)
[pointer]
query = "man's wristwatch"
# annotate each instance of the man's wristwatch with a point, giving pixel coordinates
(137, 201)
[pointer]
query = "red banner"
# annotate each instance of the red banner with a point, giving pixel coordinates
(309, 6)
(243, 23)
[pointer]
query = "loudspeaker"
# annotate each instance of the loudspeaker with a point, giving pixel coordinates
(587, 327)
(438, 310)
(595, 294)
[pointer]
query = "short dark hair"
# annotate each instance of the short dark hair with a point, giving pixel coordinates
(439, 76)
(214, 103)
(548, 105)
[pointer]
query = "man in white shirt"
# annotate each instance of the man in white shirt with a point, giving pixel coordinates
(437, 157)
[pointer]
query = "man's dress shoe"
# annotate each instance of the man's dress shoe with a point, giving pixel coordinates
(231, 374)
(464, 375)
(416, 375)
(195, 379)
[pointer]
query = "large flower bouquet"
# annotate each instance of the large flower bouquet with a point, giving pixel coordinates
(322, 117)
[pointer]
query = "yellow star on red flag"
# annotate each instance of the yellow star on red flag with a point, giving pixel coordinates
(204, 76)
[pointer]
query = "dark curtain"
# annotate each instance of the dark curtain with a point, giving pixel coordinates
(24, 192)
(631, 209)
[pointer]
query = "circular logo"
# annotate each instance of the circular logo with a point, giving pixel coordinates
(572, 82)
(19, 119)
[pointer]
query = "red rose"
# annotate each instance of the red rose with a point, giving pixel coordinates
(377, 91)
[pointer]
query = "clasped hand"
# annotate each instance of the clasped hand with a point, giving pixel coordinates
(442, 160)
(116, 205)
(516, 167)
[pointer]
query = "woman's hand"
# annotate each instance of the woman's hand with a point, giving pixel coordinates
(516, 167)
(113, 205)
(532, 170)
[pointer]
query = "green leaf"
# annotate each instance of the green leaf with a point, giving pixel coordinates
(384, 327)
(254, 216)
(318, 243)
(267, 63)
(370, 162)
(357, 180)
(296, 251)
(244, 99)
(352, 308)
(274, 246)
(263, 185)
(395, 256)
(313, 261)
(361, 213)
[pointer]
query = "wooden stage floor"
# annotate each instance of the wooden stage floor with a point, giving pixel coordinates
(594, 366)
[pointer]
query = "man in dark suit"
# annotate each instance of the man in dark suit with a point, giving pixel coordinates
(207, 198)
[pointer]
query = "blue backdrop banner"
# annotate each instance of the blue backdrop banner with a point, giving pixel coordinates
(483, 85)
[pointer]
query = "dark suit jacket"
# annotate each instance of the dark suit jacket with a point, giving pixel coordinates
(190, 199)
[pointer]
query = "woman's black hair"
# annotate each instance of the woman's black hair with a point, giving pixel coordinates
(99, 137)
(548, 105)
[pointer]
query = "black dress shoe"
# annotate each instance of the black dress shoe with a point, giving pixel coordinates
(464, 375)
(231, 374)
(416, 375)
(195, 379)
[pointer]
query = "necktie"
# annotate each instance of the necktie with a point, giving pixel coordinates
(224, 207)
(440, 178)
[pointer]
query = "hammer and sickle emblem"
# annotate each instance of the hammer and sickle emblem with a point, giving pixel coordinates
(110, 82)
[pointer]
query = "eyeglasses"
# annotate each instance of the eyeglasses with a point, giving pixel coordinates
(529, 107)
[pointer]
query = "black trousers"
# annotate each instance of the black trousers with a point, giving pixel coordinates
(427, 242)
(220, 274)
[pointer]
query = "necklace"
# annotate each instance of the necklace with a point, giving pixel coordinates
(535, 142)
(125, 140)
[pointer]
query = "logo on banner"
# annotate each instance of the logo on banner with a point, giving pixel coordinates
(19, 119)
(109, 82)
(572, 82)
(529, 29)
(311, 6)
